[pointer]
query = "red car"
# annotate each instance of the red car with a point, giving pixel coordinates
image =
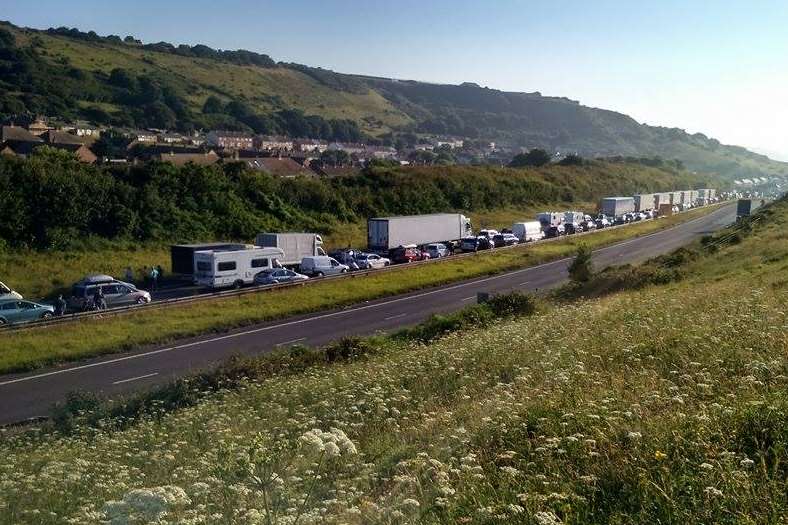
(406, 254)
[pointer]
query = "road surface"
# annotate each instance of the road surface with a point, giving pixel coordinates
(32, 395)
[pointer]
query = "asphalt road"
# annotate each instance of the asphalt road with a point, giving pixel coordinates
(32, 395)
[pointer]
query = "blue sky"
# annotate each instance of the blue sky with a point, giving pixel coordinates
(713, 66)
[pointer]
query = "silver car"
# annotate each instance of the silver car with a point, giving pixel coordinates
(278, 275)
(14, 311)
(116, 293)
(369, 261)
(436, 250)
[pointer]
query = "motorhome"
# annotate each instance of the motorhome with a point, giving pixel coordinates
(235, 268)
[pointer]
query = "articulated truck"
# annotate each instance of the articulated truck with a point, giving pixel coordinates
(385, 233)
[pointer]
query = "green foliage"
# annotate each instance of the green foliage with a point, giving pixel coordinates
(580, 271)
(571, 160)
(534, 158)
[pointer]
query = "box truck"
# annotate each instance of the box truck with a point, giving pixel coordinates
(644, 201)
(386, 233)
(617, 206)
(223, 269)
(746, 207)
(295, 246)
(550, 218)
(182, 255)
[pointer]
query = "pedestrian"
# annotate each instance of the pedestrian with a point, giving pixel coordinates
(129, 274)
(160, 271)
(98, 299)
(60, 305)
(154, 278)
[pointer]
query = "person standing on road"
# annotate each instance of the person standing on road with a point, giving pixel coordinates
(98, 299)
(154, 278)
(60, 305)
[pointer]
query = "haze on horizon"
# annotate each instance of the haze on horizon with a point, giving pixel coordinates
(716, 68)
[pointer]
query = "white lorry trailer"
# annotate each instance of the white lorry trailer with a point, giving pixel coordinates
(617, 206)
(295, 246)
(644, 201)
(233, 268)
(385, 233)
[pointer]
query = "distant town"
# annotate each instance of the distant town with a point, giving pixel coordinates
(275, 155)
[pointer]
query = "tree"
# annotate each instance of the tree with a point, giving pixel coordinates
(536, 157)
(212, 105)
(580, 270)
(335, 158)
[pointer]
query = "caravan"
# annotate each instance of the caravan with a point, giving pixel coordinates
(222, 269)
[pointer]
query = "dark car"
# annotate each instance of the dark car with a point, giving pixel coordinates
(504, 239)
(554, 231)
(570, 228)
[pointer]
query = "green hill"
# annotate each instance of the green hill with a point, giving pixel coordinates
(70, 74)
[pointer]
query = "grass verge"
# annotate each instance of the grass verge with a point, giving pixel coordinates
(30, 349)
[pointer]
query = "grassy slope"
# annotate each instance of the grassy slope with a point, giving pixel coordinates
(31, 349)
(661, 405)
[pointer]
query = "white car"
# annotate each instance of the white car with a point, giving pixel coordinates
(370, 261)
(8, 293)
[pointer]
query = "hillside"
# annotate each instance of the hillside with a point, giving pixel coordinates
(665, 404)
(68, 74)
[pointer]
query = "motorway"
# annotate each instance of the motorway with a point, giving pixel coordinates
(32, 395)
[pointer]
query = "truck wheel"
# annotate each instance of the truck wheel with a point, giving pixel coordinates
(318, 274)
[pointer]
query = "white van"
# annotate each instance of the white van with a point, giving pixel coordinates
(320, 265)
(528, 231)
(8, 293)
(222, 269)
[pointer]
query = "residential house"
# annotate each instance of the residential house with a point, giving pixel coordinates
(452, 143)
(351, 147)
(379, 152)
(273, 143)
(310, 146)
(171, 138)
(39, 127)
(231, 140)
(25, 149)
(83, 129)
(13, 134)
(61, 137)
(278, 166)
(181, 159)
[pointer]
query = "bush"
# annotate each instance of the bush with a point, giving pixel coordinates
(580, 270)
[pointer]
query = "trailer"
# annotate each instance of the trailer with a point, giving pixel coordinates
(235, 268)
(665, 209)
(746, 207)
(644, 201)
(295, 246)
(386, 233)
(617, 206)
(660, 199)
(182, 255)
(675, 198)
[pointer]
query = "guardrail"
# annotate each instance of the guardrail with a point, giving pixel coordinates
(166, 303)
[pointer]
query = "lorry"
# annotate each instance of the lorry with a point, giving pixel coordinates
(386, 233)
(182, 255)
(746, 207)
(528, 231)
(550, 218)
(295, 246)
(233, 268)
(617, 206)
(644, 201)
(660, 199)
(665, 209)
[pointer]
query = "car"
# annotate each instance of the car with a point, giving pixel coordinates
(505, 239)
(488, 233)
(15, 311)
(554, 231)
(474, 244)
(321, 265)
(602, 222)
(278, 275)
(437, 250)
(572, 227)
(8, 293)
(116, 293)
(588, 224)
(370, 261)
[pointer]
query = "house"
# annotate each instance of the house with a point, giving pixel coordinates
(14, 134)
(181, 159)
(143, 136)
(350, 147)
(171, 138)
(310, 145)
(278, 166)
(39, 127)
(379, 152)
(452, 143)
(272, 143)
(233, 140)
(83, 129)
(61, 137)
(25, 149)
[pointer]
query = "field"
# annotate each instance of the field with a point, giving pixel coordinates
(30, 349)
(662, 405)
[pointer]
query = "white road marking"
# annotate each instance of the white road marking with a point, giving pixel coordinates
(389, 318)
(331, 314)
(129, 380)
(291, 342)
(524, 283)
(469, 298)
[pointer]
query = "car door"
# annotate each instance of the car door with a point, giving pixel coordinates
(112, 295)
(9, 311)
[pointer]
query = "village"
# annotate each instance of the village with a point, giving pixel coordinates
(275, 155)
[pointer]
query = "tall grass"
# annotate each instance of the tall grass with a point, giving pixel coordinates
(661, 405)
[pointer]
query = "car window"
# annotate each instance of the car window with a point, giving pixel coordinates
(24, 305)
(8, 306)
(334, 263)
(112, 289)
(203, 266)
(4, 288)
